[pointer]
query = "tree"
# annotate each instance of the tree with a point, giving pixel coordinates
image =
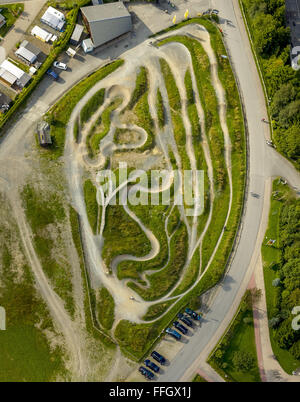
(285, 335)
(243, 361)
(295, 350)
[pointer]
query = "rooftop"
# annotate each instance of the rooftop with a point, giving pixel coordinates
(105, 11)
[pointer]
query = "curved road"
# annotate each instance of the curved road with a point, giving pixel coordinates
(264, 162)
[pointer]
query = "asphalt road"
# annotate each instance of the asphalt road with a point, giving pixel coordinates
(264, 162)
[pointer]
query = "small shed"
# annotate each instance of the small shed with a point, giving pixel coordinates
(41, 34)
(75, 38)
(44, 136)
(87, 45)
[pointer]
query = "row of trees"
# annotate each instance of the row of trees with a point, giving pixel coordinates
(288, 290)
(272, 42)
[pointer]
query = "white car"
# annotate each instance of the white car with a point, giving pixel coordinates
(61, 66)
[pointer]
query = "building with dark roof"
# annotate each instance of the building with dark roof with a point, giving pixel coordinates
(106, 21)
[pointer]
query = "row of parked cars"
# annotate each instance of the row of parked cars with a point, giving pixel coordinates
(185, 318)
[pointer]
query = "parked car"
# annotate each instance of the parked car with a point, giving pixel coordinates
(173, 333)
(185, 319)
(158, 357)
(151, 365)
(270, 143)
(52, 74)
(193, 314)
(146, 373)
(61, 66)
(180, 327)
(214, 11)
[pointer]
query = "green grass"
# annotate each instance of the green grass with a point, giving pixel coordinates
(141, 87)
(157, 310)
(153, 217)
(190, 275)
(101, 128)
(92, 105)
(89, 297)
(93, 210)
(122, 235)
(11, 12)
(239, 338)
(161, 282)
(160, 109)
(271, 256)
(198, 378)
(62, 110)
(42, 213)
(105, 308)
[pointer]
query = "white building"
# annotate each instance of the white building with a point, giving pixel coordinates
(54, 18)
(41, 34)
(87, 45)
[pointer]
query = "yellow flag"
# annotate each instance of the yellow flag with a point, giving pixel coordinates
(186, 14)
(174, 19)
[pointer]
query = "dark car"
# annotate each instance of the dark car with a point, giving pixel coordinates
(173, 333)
(151, 365)
(146, 373)
(214, 11)
(180, 327)
(185, 319)
(193, 314)
(158, 357)
(52, 74)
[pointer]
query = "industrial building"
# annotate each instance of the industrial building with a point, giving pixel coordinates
(13, 75)
(27, 52)
(106, 21)
(77, 33)
(54, 18)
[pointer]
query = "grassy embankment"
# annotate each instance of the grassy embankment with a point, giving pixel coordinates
(279, 298)
(90, 300)
(239, 339)
(93, 210)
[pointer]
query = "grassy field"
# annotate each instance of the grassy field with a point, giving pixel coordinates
(93, 210)
(90, 302)
(105, 308)
(42, 214)
(239, 339)
(62, 110)
(11, 12)
(122, 235)
(198, 378)
(92, 105)
(271, 256)
(25, 352)
(156, 310)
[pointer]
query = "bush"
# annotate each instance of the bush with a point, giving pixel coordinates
(243, 361)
